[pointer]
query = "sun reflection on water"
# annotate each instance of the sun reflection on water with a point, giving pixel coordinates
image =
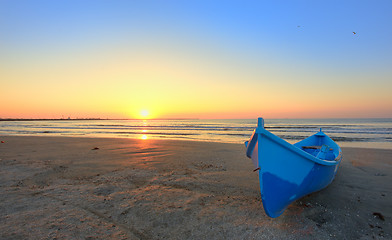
(144, 137)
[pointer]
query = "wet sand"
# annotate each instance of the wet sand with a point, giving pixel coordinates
(92, 188)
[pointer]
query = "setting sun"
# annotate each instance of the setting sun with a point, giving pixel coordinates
(144, 113)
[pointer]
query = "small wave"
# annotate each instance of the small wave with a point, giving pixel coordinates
(217, 130)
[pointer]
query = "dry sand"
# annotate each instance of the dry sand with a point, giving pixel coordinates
(60, 188)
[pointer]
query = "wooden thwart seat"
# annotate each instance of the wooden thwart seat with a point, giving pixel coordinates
(314, 147)
(311, 147)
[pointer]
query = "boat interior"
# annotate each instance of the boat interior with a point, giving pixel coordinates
(322, 152)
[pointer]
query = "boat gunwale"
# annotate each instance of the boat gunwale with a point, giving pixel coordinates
(295, 149)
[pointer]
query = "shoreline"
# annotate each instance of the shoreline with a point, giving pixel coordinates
(61, 187)
(81, 136)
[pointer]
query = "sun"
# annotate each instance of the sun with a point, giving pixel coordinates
(144, 113)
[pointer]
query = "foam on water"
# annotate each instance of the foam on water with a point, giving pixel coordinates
(373, 133)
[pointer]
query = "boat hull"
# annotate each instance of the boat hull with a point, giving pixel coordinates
(287, 172)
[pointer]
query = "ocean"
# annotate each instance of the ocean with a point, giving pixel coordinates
(368, 133)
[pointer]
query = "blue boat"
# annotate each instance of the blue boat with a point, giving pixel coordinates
(287, 171)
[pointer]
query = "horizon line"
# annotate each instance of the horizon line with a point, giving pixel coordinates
(145, 119)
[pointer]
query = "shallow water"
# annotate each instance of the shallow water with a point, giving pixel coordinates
(370, 133)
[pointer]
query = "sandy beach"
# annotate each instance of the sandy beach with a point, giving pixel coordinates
(102, 188)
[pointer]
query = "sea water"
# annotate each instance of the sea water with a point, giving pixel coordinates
(369, 133)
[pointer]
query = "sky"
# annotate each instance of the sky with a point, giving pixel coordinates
(195, 59)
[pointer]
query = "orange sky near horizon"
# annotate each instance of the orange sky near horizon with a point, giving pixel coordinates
(115, 90)
(181, 87)
(184, 66)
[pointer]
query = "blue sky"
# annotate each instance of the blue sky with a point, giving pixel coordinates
(308, 46)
